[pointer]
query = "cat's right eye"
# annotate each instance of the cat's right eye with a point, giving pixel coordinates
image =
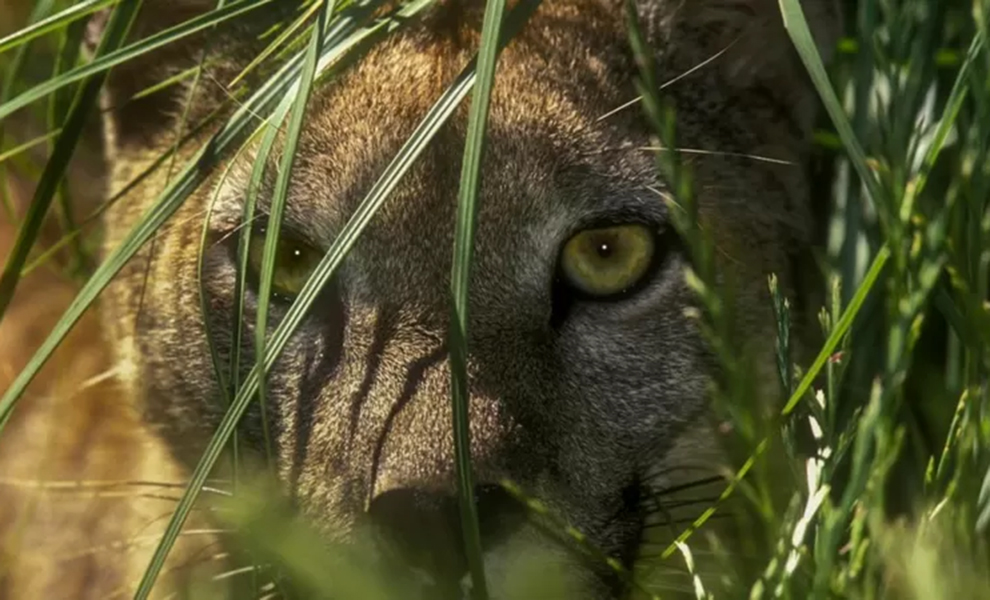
(295, 261)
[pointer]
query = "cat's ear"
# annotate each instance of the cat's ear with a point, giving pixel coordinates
(753, 48)
(133, 117)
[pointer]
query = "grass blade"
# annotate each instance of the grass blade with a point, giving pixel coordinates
(38, 13)
(149, 44)
(261, 102)
(460, 276)
(56, 21)
(797, 28)
(281, 194)
(83, 103)
(954, 103)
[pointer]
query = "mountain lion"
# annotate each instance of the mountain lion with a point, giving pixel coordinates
(587, 378)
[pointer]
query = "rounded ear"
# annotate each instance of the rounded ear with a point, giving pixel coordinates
(756, 49)
(133, 117)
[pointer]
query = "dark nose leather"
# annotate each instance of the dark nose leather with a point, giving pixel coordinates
(425, 527)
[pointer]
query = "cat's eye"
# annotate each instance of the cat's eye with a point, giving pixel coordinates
(294, 263)
(609, 260)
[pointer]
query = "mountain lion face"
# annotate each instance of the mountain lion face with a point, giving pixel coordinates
(587, 378)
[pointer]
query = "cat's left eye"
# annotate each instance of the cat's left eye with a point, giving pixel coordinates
(295, 261)
(608, 261)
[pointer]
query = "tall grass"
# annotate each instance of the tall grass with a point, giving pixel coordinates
(873, 478)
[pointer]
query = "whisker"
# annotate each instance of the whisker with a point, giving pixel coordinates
(756, 157)
(686, 486)
(239, 226)
(237, 101)
(671, 81)
(236, 572)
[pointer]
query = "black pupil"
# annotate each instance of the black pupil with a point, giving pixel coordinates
(604, 248)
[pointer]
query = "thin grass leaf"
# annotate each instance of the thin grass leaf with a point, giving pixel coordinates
(460, 276)
(111, 59)
(92, 218)
(840, 329)
(403, 161)
(54, 22)
(83, 103)
(243, 250)
(70, 45)
(797, 28)
(275, 44)
(281, 192)
(24, 147)
(952, 106)
(270, 93)
(40, 11)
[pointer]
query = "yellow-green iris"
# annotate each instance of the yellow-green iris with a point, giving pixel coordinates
(608, 260)
(294, 263)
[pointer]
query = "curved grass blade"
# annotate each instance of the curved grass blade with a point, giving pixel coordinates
(404, 159)
(268, 95)
(952, 106)
(56, 21)
(474, 147)
(149, 44)
(82, 104)
(38, 13)
(92, 217)
(281, 193)
(797, 28)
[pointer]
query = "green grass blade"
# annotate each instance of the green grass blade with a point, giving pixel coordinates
(41, 10)
(281, 193)
(142, 47)
(274, 46)
(840, 329)
(797, 28)
(952, 107)
(70, 46)
(261, 102)
(24, 147)
(54, 22)
(460, 276)
(83, 103)
(404, 159)
(274, 89)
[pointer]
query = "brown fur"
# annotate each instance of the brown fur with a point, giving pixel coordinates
(581, 409)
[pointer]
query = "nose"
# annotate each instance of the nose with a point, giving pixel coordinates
(425, 528)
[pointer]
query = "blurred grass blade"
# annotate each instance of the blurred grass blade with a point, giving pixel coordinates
(460, 276)
(82, 105)
(24, 147)
(70, 46)
(404, 159)
(797, 28)
(111, 59)
(41, 10)
(56, 21)
(952, 106)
